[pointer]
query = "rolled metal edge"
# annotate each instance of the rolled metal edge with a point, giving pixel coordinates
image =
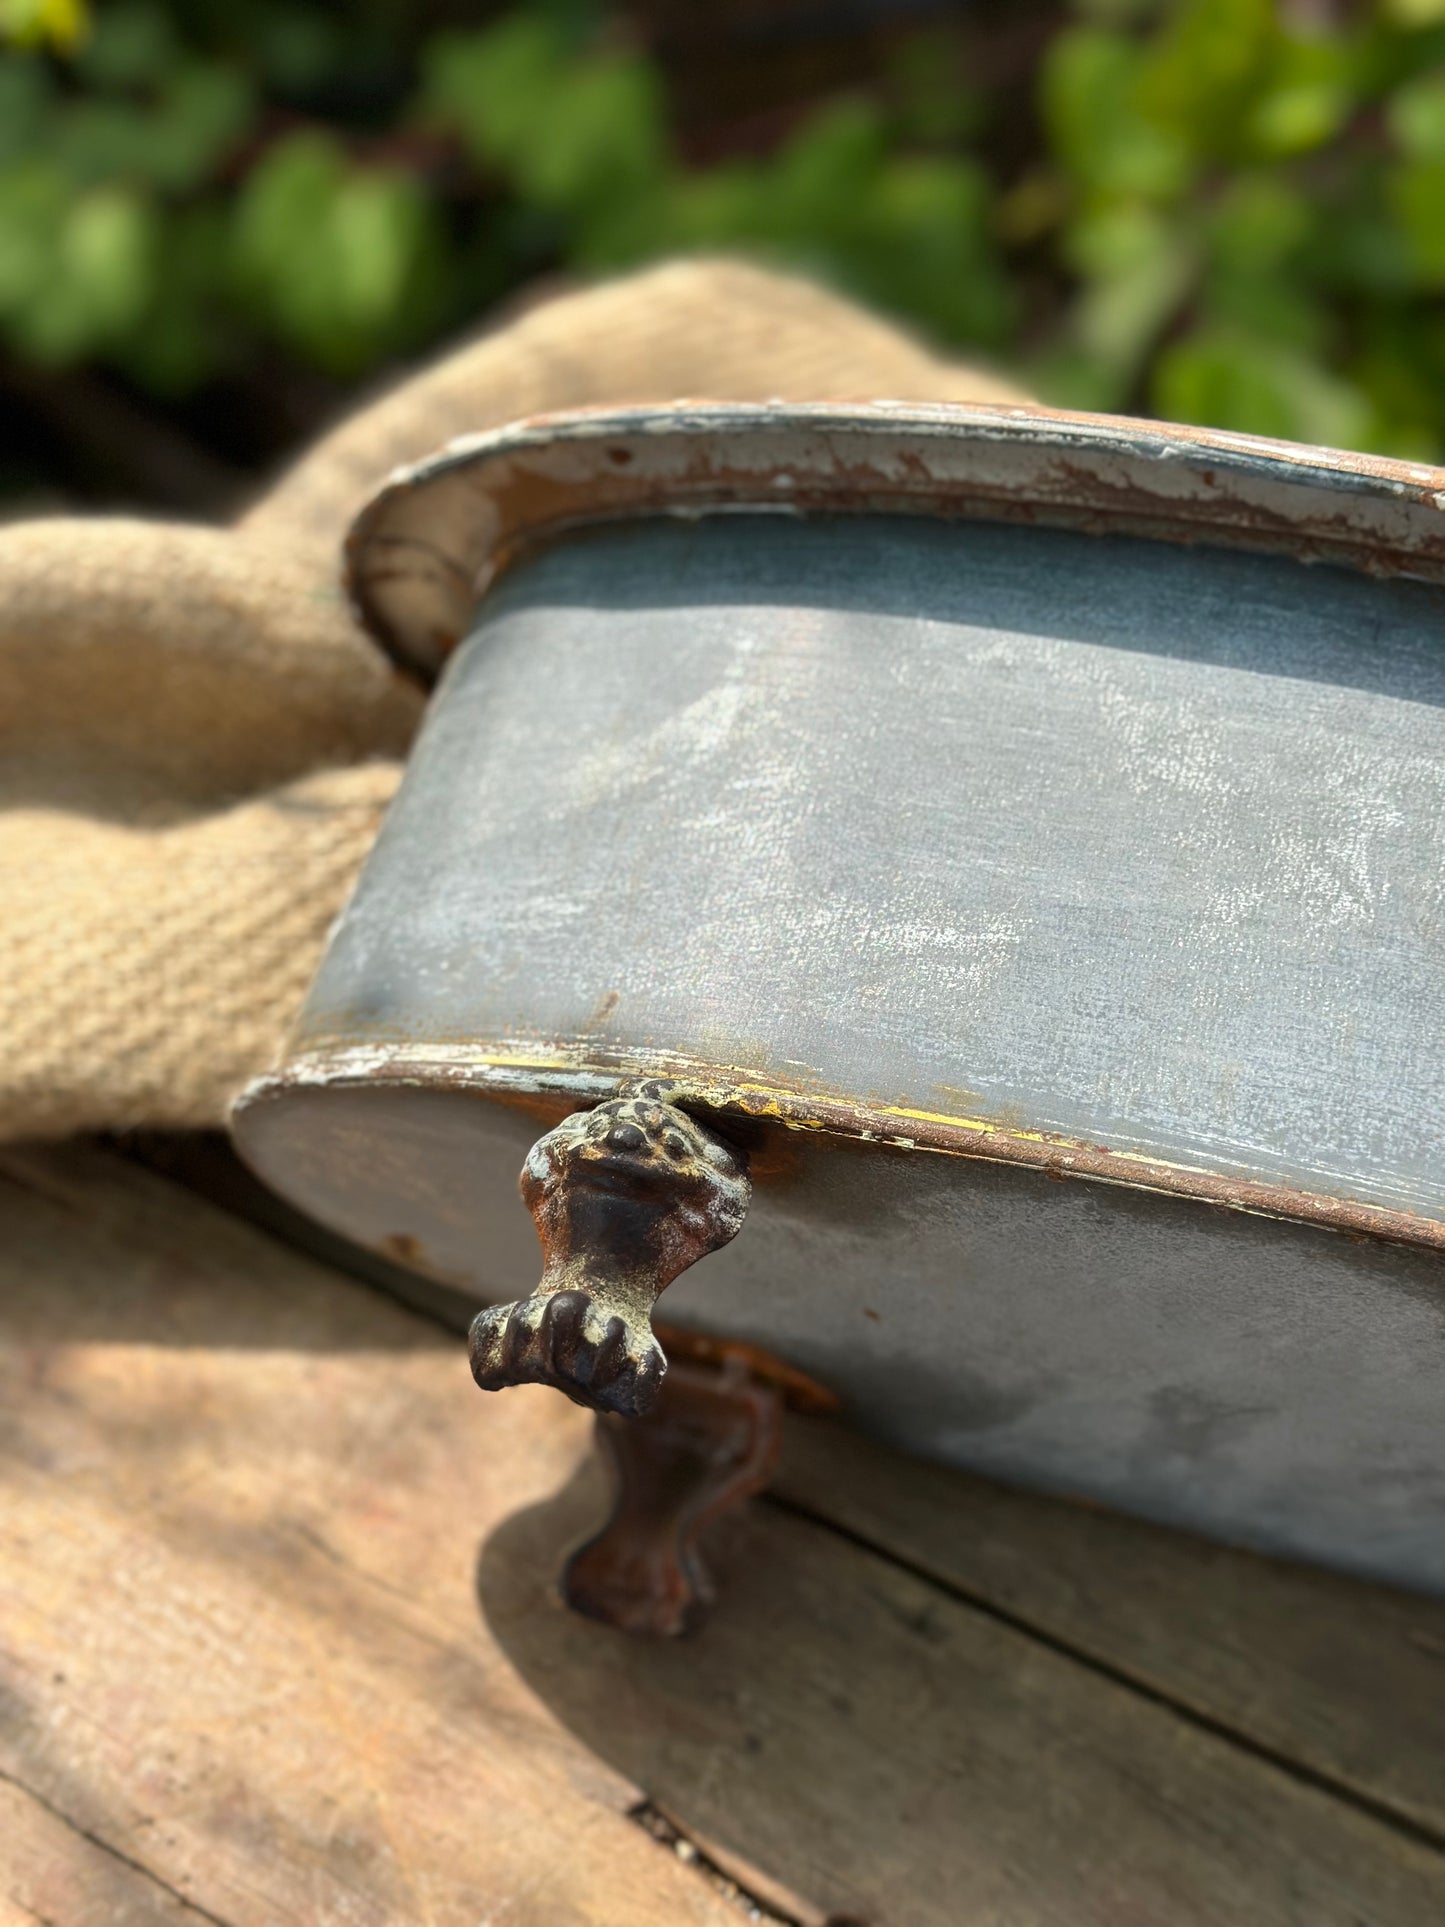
(503, 1074)
(425, 548)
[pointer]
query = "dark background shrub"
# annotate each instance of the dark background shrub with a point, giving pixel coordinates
(218, 217)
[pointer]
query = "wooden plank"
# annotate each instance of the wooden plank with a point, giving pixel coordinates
(51, 1873)
(239, 1643)
(1344, 1679)
(277, 1625)
(1347, 1680)
(904, 1759)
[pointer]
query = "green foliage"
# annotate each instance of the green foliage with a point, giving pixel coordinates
(1226, 210)
(580, 137)
(910, 232)
(343, 261)
(1255, 215)
(37, 23)
(575, 134)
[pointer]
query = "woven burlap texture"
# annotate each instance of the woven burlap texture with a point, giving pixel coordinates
(197, 744)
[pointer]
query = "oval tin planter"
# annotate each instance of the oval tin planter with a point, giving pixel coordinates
(1025, 833)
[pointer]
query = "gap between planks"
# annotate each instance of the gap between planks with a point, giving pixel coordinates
(1333, 1680)
(143, 1246)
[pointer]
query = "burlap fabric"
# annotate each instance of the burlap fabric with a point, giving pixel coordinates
(197, 744)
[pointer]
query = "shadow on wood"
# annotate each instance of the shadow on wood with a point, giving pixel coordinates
(241, 1500)
(169, 1265)
(866, 1739)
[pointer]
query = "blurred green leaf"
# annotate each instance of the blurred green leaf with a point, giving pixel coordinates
(1257, 233)
(75, 274)
(607, 140)
(132, 44)
(1416, 117)
(204, 109)
(1417, 194)
(62, 24)
(573, 133)
(1224, 379)
(1090, 98)
(909, 234)
(1356, 251)
(1270, 306)
(1415, 13)
(1067, 376)
(183, 333)
(1203, 75)
(341, 260)
(1306, 97)
(1401, 368)
(1260, 221)
(378, 234)
(495, 88)
(174, 139)
(97, 140)
(713, 208)
(818, 176)
(25, 106)
(919, 244)
(34, 201)
(1137, 266)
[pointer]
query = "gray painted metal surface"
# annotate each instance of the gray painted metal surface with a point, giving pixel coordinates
(1060, 854)
(1272, 1384)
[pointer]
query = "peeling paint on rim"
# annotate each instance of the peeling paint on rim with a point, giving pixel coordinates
(490, 1071)
(424, 550)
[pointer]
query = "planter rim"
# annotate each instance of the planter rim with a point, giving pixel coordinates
(430, 542)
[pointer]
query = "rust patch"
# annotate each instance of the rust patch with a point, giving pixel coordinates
(800, 1393)
(423, 551)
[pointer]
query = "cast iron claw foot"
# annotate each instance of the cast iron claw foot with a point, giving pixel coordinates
(624, 1198)
(710, 1441)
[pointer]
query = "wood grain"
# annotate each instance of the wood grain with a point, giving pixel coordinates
(902, 1758)
(240, 1641)
(278, 1642)
(1343, 1679)
(55, 1874)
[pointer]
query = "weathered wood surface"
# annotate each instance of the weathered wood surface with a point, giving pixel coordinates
(241, 1644)
(1341, 1679)
(47, 1863)
(278, 1643)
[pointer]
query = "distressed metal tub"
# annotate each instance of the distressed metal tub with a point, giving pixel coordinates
(1022, 837)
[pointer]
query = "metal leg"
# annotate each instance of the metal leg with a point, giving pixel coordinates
(710, 1441)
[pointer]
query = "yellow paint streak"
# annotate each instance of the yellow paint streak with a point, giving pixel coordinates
(789, 1107)
(841, 1116)
(969, 1124)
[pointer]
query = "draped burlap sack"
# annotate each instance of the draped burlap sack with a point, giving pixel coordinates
(197, 744)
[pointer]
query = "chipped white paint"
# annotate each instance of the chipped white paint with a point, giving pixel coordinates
(420, 552)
